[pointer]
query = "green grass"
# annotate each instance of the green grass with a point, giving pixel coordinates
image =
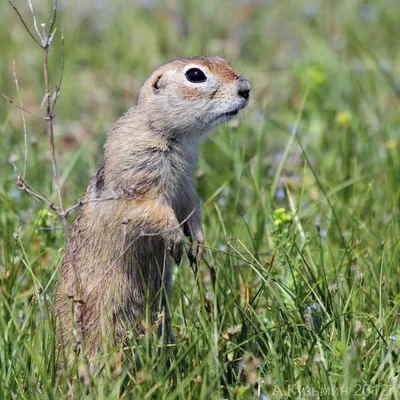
(288, 303)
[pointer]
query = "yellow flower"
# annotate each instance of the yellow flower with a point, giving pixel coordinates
(281, 217)
(279, 212)
(343, 119)
(286, 218)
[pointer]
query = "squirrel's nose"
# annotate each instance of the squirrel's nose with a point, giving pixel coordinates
(244, 89)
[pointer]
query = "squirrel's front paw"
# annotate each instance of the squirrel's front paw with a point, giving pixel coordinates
(175, 245)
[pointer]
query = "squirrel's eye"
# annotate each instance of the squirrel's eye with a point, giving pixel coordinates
(195, 75)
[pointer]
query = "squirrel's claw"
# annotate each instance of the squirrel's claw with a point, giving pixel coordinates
(194, 258)
(176, 252)
(175, 245)
(191, 255)
(198, 257)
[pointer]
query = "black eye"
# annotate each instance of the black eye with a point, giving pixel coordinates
(195, 75)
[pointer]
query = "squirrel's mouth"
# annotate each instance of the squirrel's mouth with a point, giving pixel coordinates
(231, 113)
(226, 116)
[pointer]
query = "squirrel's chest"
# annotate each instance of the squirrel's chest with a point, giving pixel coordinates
(178, 177)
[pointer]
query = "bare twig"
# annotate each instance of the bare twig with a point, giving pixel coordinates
(34, 21)
(51, 36)
(24, 23)
(82, 202)
(53, 20)
(23, 121)
(58, 87)
(22, 108)
(34, 194)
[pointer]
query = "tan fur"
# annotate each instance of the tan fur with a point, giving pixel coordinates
(122, 247)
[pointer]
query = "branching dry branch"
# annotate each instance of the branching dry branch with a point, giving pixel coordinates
(46, 39)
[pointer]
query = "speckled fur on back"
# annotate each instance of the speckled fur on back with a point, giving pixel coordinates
(141, 197)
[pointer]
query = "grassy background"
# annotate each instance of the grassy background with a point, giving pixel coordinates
(289, 303)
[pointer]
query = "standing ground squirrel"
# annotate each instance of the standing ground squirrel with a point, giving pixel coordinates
(142, 201)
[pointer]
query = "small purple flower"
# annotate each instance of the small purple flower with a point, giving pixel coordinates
(278, 157)
(280, 193)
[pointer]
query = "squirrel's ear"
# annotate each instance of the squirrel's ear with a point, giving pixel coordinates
(157, 84)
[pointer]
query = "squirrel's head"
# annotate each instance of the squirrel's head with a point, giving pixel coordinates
(192, 95)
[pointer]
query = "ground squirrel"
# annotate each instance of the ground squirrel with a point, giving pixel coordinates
(142, 201)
